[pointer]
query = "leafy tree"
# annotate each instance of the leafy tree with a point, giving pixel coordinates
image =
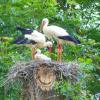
(79, 17)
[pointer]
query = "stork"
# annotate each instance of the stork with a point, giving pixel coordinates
(34, 40)
(41, 57)
(58, 33)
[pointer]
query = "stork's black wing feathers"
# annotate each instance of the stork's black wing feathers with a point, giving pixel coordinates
(69, 38)
(19, 40)
(25, 30)
(23, 40)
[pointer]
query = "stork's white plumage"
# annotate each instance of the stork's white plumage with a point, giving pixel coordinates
(56, 32)
(39, 39)
(41, 57)
(33, 39)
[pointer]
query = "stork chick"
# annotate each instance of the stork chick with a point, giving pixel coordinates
(41, 57)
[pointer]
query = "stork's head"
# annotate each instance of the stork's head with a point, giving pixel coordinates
(49, 44)
(45, 22)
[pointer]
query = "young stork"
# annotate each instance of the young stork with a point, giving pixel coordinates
(34, 40)
(58, 33)
(41, 57)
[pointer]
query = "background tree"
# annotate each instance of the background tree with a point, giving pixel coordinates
(79, 17)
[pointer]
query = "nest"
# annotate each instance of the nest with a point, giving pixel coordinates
(39, 76)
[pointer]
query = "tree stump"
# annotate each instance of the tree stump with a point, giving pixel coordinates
(38, 78)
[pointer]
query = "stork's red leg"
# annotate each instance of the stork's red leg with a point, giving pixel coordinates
(59, 50)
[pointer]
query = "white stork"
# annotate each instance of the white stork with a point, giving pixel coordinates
(39, 39)
(34, 40)
(56, 32)
(41, 57)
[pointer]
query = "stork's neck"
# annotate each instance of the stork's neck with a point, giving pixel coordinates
(45, 25)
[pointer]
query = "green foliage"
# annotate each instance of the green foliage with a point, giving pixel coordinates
(80, 18)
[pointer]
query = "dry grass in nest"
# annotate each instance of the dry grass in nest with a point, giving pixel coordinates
(39, 76)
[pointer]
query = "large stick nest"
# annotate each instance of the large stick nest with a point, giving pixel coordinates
(42, 74)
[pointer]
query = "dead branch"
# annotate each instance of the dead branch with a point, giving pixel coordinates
(38, 77)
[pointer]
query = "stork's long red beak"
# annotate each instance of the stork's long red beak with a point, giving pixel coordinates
(50, 49)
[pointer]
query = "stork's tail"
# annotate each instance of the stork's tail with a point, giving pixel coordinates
(24, 30)
(69, 38)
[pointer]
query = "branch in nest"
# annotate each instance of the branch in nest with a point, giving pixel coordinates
(38, 77)
(41, 71)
